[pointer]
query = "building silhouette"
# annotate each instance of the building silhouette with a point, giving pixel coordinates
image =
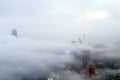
(14, 32)
(85, 58)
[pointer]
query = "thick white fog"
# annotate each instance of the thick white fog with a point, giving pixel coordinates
(21, 57)
(25, 56)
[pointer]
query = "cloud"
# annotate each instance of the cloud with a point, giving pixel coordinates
(102, 2)
(97, 15)
(24, 56)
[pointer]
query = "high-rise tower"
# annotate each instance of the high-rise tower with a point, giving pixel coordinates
(14, 32)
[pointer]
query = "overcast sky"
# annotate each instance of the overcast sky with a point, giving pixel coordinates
(60, 19)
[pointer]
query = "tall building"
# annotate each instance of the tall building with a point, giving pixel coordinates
(14, 32)
(91, 71)
(85, 58)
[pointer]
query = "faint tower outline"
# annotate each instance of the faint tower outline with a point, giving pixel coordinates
(14, 32)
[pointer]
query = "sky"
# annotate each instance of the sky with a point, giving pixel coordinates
(60, 19)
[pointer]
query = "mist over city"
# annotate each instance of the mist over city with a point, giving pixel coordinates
(59, 40)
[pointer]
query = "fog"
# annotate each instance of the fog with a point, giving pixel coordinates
(52, 35)
(25, 57)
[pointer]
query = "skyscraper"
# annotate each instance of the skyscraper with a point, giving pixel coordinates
(85, 58)
(14, 32)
